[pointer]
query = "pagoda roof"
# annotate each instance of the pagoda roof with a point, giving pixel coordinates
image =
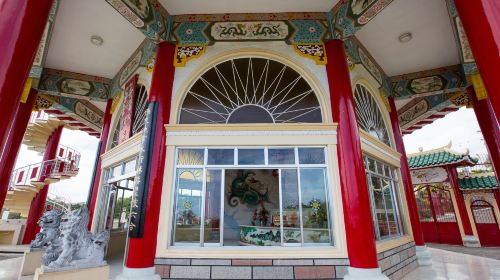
(479, 181)
(440, 157)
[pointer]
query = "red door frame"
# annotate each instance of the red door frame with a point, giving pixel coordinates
(488, 233)
(439, 231)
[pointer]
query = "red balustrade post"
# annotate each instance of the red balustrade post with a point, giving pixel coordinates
(141, 251)
(488, 123)
(38, 202)
(22, 23)
(96, 176)
(355, 198)
(14, 141)
(482, 26)
(469, 239)
(423, 255)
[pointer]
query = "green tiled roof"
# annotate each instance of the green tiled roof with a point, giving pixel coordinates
(442, 157)
(478, 182)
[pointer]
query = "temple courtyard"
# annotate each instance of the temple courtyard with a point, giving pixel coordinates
(449, 262)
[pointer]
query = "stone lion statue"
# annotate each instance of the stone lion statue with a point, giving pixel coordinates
(49, 225)
(78, 248)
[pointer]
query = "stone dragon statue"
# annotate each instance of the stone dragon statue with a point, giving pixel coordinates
(78, 248)
(49, 225)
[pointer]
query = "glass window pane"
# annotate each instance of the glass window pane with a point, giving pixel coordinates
(251, 207)
(130, 166)
(212, 206)
(220, 157)
(380, 211)
(188, 205)
(314, 206)
(191, 157)
(116, 171)
(380, 168)
(371, 164)
(290, 206)
(250, 156)
(281, 156)
(311, 155)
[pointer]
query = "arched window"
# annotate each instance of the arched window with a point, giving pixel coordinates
(138, 114)
(250, 90)
(368, 114)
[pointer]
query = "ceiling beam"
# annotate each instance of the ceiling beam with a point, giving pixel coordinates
(43, 47)
(425, 110)
(349, 16)
(69, 84)
(429, 82)
(148, 16)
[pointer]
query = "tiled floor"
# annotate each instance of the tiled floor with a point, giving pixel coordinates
(456, 266)
(446, 265)
(487, 252)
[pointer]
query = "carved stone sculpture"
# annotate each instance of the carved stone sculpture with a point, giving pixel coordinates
(49, 225)
(77, 248)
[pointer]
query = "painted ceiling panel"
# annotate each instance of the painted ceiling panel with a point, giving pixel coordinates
(433, 44)
(70, 47)
(177, 7)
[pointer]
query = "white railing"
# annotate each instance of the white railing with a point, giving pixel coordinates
(66, 163)
(482, 166)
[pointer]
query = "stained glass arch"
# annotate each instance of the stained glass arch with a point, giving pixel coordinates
(369, 115)
(250, 90)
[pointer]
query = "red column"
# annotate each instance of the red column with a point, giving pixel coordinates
(22, 23)
(488, 123)
(459, 197)
(481, 22)
(416, 228)
(356, 203)
(141, 251)
(38, 203)
(96, 177)
(496, 193)
(14, 141)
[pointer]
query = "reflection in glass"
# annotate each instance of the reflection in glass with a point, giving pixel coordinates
(191, 157)
(290, 206)
(314, 206)
(212, 206)
(220, 157)
(311, 155)
(188, 205)
(250, 156)
(281, 156)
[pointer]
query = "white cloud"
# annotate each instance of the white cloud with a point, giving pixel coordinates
(74, 189)
(460, 127)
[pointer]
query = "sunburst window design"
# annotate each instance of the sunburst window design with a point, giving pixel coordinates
(140, 107)
(250, 90)
(369, 116)
(139, 114)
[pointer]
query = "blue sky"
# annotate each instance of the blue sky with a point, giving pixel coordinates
(460, 127)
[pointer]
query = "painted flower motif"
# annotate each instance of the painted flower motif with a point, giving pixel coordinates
(189, 31)
(315, 204)
(312, 29)
(187, 205)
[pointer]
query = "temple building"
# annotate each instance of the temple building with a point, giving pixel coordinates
(253, 139)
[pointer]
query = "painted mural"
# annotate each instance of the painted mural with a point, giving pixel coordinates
(252, 30)
(248, 17)
(348, 16)
(442, 79)
(148, 16)
(412, 111)
(296, 31)
(82, 110)
(63, 83)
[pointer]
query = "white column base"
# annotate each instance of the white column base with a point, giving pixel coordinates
(365, 274)
(471, 241)
(424, 256)
(147, 273)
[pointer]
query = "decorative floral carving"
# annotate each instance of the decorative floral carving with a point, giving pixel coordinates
(185, 53)
(315, 52)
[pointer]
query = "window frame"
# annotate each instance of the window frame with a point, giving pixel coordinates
(296, 166)
(396, 197)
